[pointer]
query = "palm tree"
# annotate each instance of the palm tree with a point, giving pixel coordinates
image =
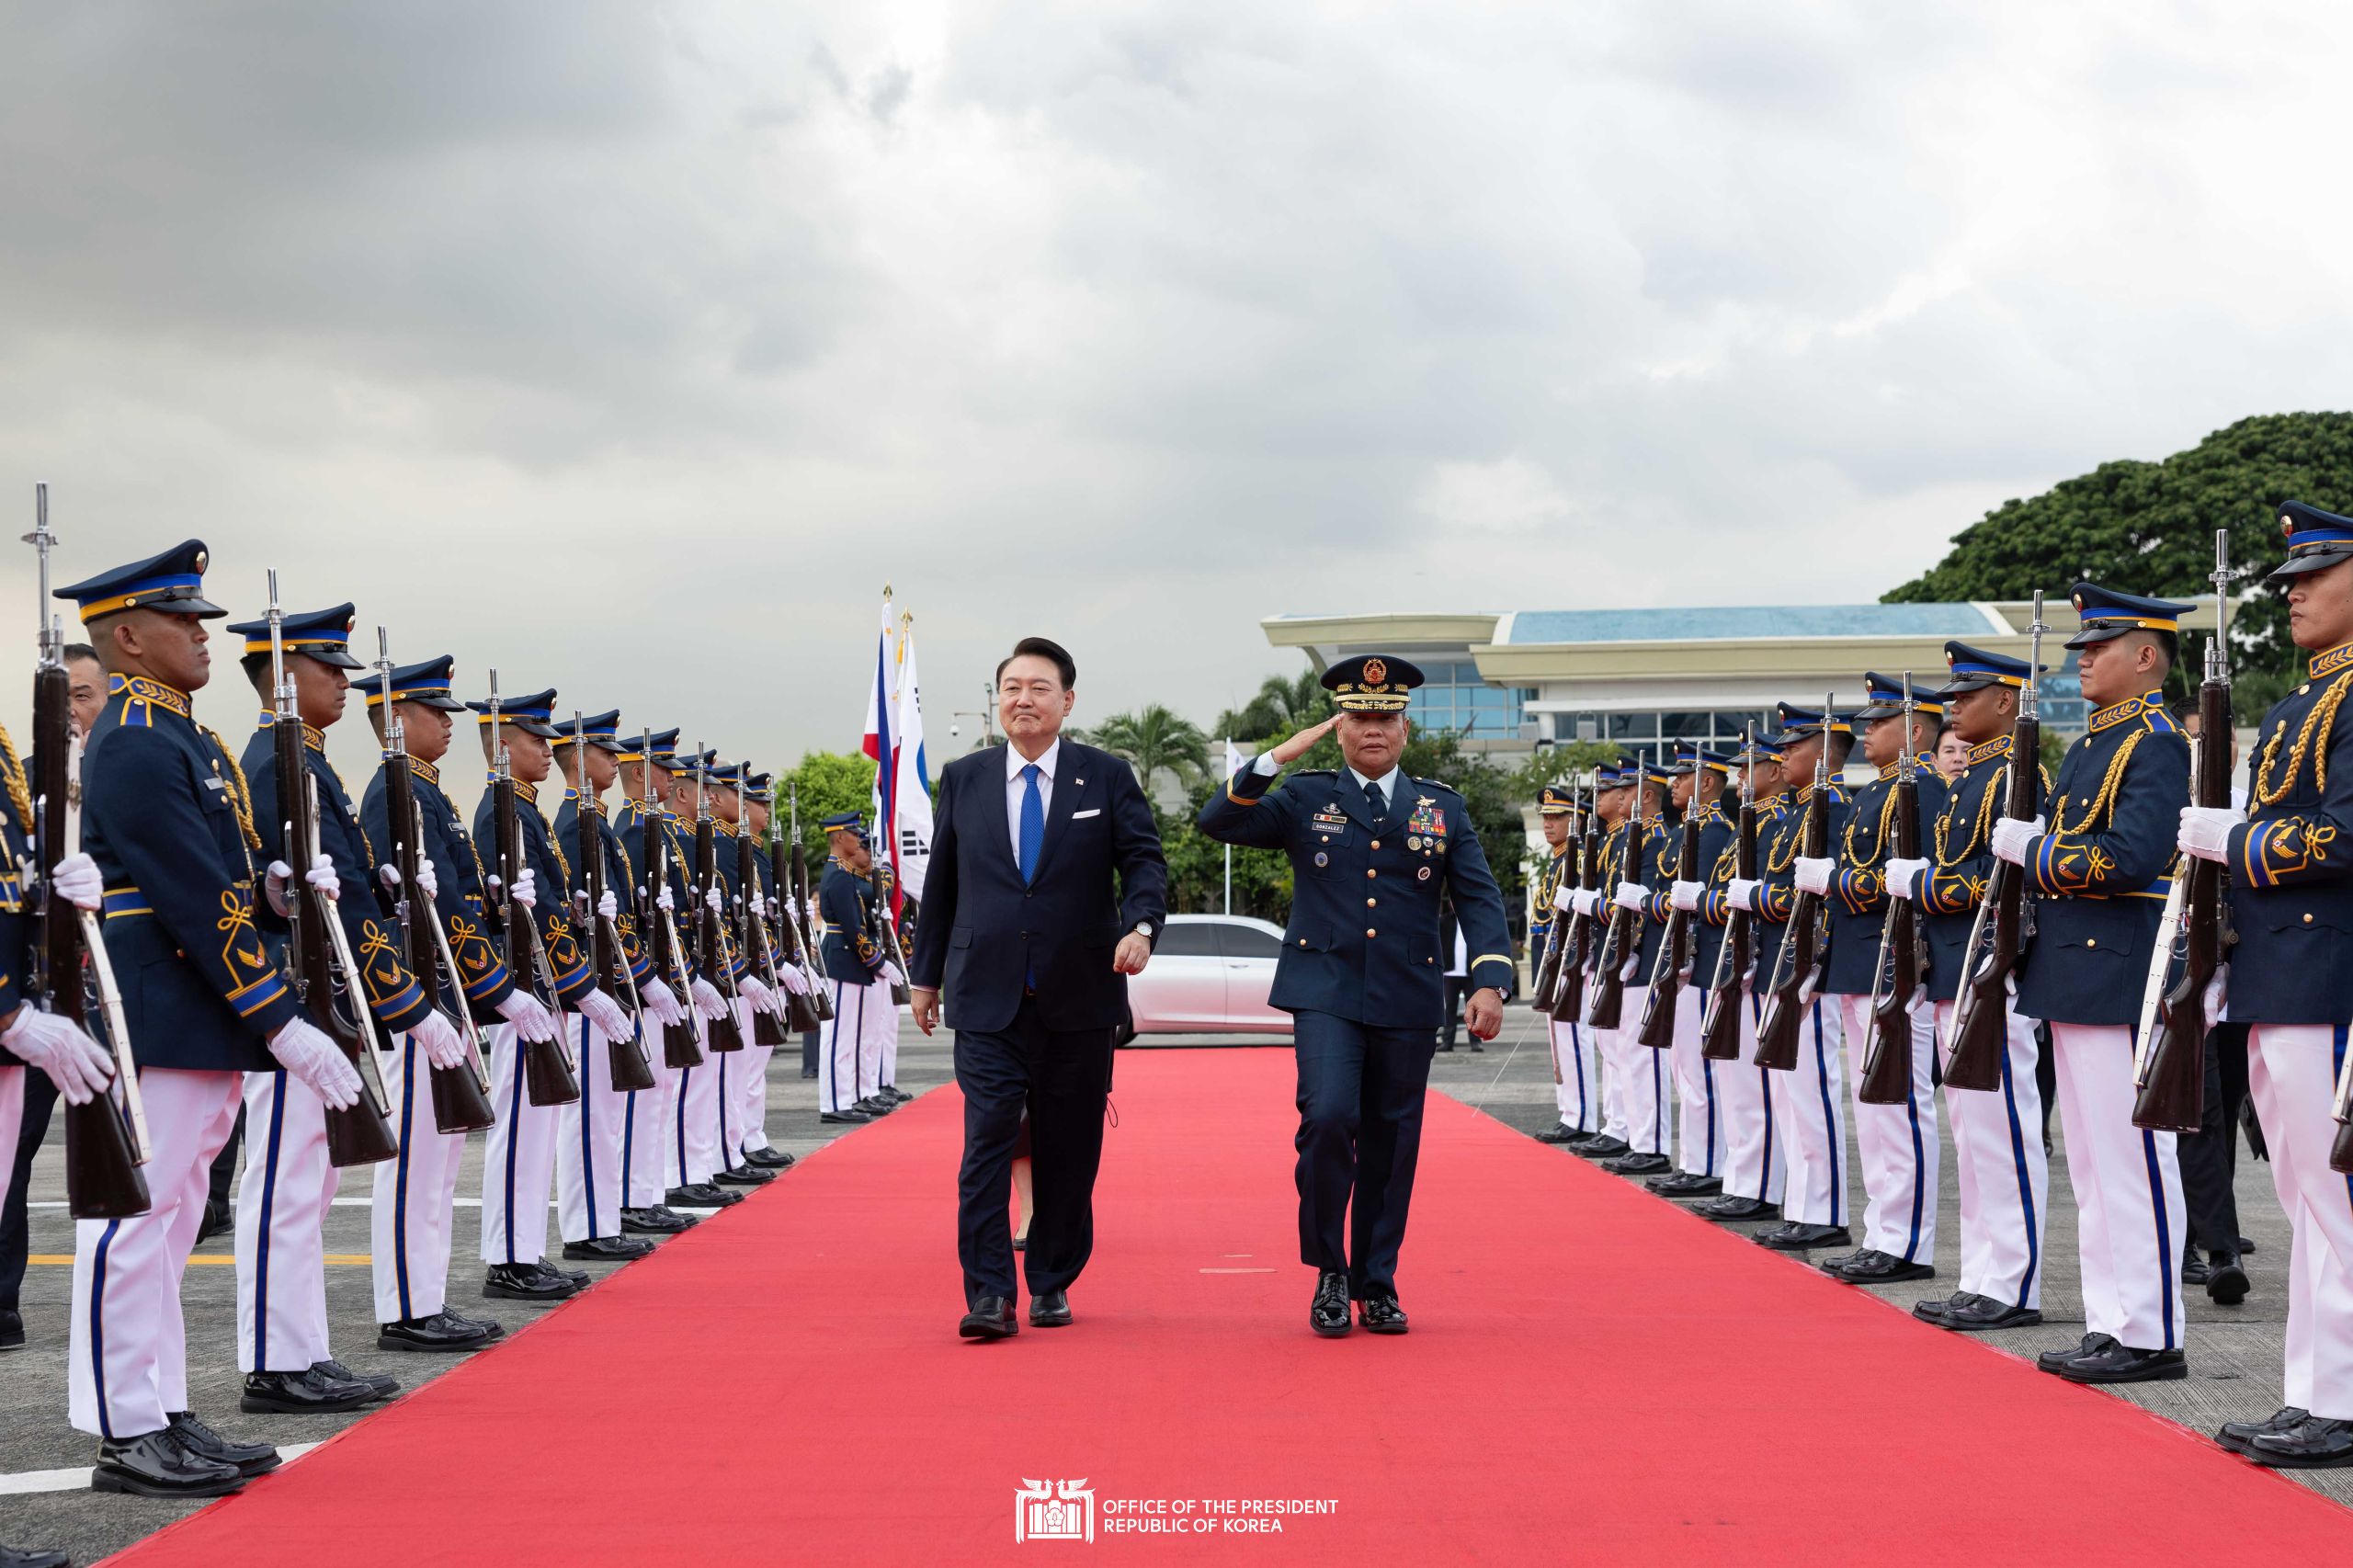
(1153, 739)
(1282, 707)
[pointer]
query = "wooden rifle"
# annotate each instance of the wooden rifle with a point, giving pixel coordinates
(1903, 956)
(801, 1008)
(664, 949)
(1605, 1001)
(625, 1060)
(1728, 988)
(711, 931)
(801, 907)
(1544, 993)
(752, 920)
(1797, 967)
(1673, 965)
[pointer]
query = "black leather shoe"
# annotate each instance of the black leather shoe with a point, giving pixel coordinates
(1977, 1314)
(12, 1331)
(307, 1392)
(2194, 1270)
(1682, 1184)
(807, 1074)
(1559, 1132)
(745, 1176)
(441, 1332)
(250, 1459)
(2235, 1434)
(2315, 1443)
(768, 1159)
(1328, 1315)
(1872, 1267)
(1051, 1310)
(1381, 1313)
(702, 1195)
(381, 1386)
(1443, 1048)
(894, 1093)
(2114, 1363)
(1021, 1244)
(1729, 1209)
(1636, 1163)
(521, 1282)
(608, 1249)
(658, 1220)
(2092, 1345)
(851, 1115)
(572, 1277)
(159, 1465)
(21, 1557)
(873, 1105)
(490, 1328)
(2226, 1283)
(991, 1318)
(1603, 1147)
(1795, 1236)
(1936, 1311)
(217, 1221)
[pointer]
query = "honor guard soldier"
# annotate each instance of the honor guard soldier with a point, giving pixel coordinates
(416, 1191)
(1754, 1171)
(518, 1159)
(588, 1179)
(1366, 1007)
(1649, 1073)
(2292, 905)
(2097, 866)
(1614, 803)
(691, 1143)
(857, 965)
(166, 820)
(760, 903)
(1697, 792)
(1896, 1144)
(283, 1199)
(1996, 1143)
(1809, 1106)
(1576, 1073)
(742, 1072)
(647, 770)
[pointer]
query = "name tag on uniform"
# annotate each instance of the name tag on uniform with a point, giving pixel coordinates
(215, 782)
(1089, 811)
(1330, 822)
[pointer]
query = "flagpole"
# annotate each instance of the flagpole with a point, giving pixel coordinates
(1229, 849)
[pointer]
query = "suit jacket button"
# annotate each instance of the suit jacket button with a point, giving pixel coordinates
(1370, 872)
(1370, 902)
(2091, 941)
(1370, 932)
(1376, 843)
(2308, 916)
(1303, 941)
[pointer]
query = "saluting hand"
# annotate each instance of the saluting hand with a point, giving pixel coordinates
(1297, 746)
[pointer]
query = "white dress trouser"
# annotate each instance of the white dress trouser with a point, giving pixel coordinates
(1699, 1121)
(519, 1160)
(2292, 1075)
(2127, 1191)
(1810, 1121)
(647, 1117)
(2003, 1174)
(735, 1070)
(282, 1201)
(1643, 1075)
(1753, 1165)
(1575, 1076)
(588, 1142)
(850, 1059)
(1897, 1144)
(415, 1196)
(752, 1090)
(127, 1368)
(691, 1143)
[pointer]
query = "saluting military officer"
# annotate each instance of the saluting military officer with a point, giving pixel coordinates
(2098, 876)
(1365, 1009)
(2291, 904)
(1996, 1145)
(166, 820)
(851, 1075)
(1574, 1071)
(1699, 789)
(1897, 1144)
(1754, 1171)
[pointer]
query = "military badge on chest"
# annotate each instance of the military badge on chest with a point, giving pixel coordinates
(1426, 829)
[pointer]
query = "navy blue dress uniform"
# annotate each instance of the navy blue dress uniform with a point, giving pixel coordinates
(1576, 1073)
(1752, 1169)
(416, 1192)
(1361, 975)
(759, 903)
(2099, 879)
(283, 1199)
(1625, 1124)
(2292, 907)
(1700, 1125)
(1643, 1097)
(737, 1075)
(1996, 1136)
(850, 1068)
(1896, 1145)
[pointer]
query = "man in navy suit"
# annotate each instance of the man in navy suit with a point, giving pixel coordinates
(1024, 926)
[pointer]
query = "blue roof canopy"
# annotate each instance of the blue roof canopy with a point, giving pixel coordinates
(1707, 622)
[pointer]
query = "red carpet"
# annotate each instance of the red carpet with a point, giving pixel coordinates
(1592, 1377)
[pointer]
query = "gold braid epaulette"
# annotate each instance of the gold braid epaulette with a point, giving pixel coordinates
(242, 796)
(2321, 720)
(1886, 816)
(2103, 802)
(20, 793)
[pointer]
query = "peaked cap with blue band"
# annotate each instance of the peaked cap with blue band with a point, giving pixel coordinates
(1972, 669)
(172, 582)
(323, 634)
(1883, 697)
(599, 730)
(1797, 723)
(843, 822)
(1688, 759)
(661, 743)
(426, 684)
(2106, 613)
(529, 713)
(2317, 540)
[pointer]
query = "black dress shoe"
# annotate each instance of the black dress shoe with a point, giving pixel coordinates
(2226, 1282)
(442, 1331)
(873, 1105)
(2235, 1434)
(807, 1074)
(218, 1221)
(21, 1557)
(658, 1220)
(1728, 1210)
(1872, 1267)
(702, 1195)
(2315, 1443)
(522, 1282)
(1443, 1048)
(1937, 1310)
(1381, 1313)
(1051, 1310)
(1559, 1132)
(307, 1392)
(1682, 1184)
(1796, 1236)
(991, 1318)
(1636, 1163)
(2247, 1247)
(608, 1249)
(768, 1159)
(250, 1459)
(1602, 1146)
(2092, 1345)
(745, 1176)
(1977, 1314)
(2114, 1363)
(1021, 1244)
(572, 1277)
(1328, 1315)
(383, 1387)
(2194, 1270)
(1474, 1046)
(159, 1465)
(489, 1327)
(12, 1331)
(851, 1115)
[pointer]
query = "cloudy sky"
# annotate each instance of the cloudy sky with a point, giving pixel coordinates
(630, 347)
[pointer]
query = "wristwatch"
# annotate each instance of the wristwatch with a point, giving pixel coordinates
(1143, 930)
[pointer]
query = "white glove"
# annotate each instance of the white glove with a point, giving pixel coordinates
(324, 876)
(77, 1065)
(1903, 878)
(663, 899)
(1565, 895)
(1685, 896)
(2012, 838)
(76, 880)
(714, 900)
(708, 1001)
(1811, 875)
(526, 891)
(1587, 902)
(770, 908)
(428, 880)
(756, 993)
(530, 1020)
(605, 1015)
(893, 973)
(2205, 831)
(306, 1053)
(1632, 895)
(2218, 995)
(609, 906)
(792, 980)
(1741, 892)
(273, 884)
(661, 1003)
(443, 1046)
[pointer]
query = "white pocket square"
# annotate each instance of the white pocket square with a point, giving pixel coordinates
(1089, 811)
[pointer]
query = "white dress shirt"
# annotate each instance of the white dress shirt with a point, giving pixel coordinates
(1265, 765)
(1016, 787)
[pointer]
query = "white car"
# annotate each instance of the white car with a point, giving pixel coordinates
(1209, 974)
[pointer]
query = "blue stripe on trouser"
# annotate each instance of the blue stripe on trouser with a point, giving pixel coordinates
(832, 1048)
(1919, 1170)
(400, 1179)
(1765, 1083)
(268, 1205)
(1658, 1100)
(629, 1146)
(727, 1160)
(1829, 1122)
(1708, 1071)
(98, 1322)
(2165, 1260)
(2026, 1182)
(685, 1080)
(513, 1143)
(2338, 1062)
(1576, 1054)
(587, 1120)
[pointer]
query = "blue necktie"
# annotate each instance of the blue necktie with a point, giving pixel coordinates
(1033, 822)
(1380, 802)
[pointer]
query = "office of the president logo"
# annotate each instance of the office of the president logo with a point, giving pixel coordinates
(1062, 1510)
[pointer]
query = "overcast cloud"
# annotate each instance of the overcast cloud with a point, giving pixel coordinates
(630, 347)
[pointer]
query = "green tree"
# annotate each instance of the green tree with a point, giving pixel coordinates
(1155, 740)
(1283, 706)
(1573, 759)
(826, 782)
(2148, 527)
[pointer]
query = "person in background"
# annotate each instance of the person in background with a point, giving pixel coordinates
(2209, 1156)
(1952, 754)
(1458, 975)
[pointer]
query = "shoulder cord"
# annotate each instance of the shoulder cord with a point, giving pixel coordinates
(1886, 816)
(241, 795)
(2095, 812)
(1984, 825)
(20, 794)
(2270, 789)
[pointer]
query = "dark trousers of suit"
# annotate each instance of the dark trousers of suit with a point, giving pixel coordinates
(2209, 1156)
(1059, 1078)
(15, 1235)
(1360, 1137)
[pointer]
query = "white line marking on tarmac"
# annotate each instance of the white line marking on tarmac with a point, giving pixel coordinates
(30, 1480)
